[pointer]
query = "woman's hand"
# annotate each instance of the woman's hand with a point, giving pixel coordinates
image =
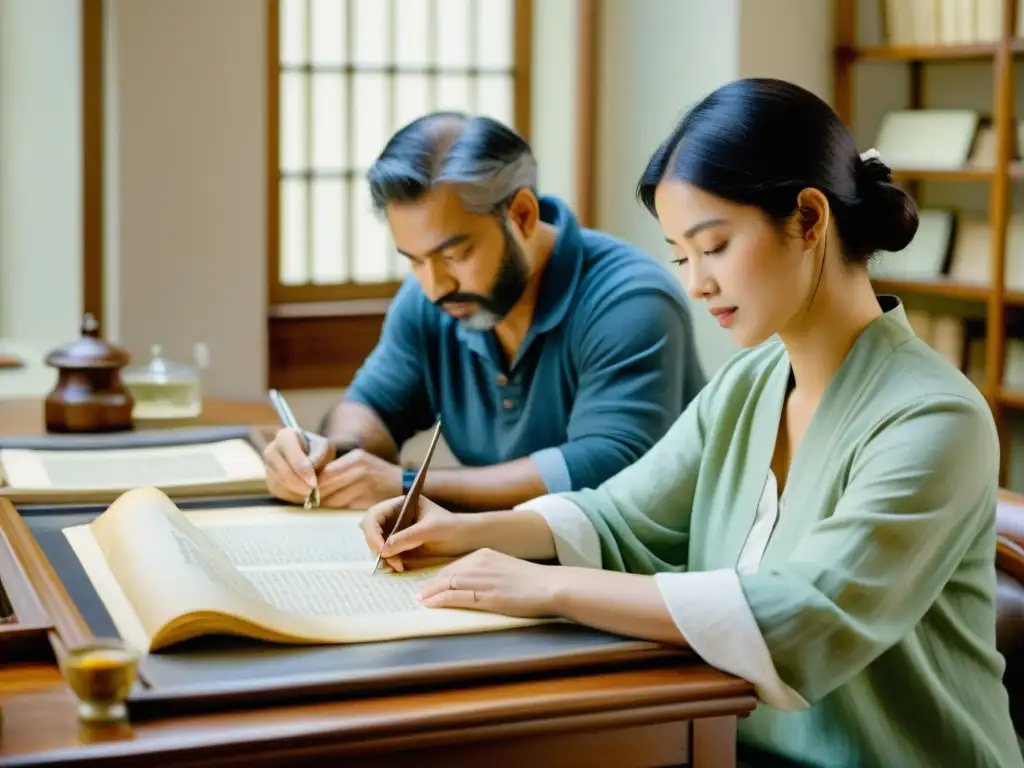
(430, 531)
(625, 604)
(491, 581)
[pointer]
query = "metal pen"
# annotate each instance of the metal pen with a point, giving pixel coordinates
(284, 413)
(413, 497)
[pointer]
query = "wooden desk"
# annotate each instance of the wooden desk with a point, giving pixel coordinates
(634, 718)
(24, 416)
(662, 715)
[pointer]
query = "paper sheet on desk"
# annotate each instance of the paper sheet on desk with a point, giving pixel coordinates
(42, 475)
(124, 468)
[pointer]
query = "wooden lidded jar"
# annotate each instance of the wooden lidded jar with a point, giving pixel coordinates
(89, 395)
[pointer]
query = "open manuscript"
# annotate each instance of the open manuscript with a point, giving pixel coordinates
(272, 573)
(30, 475)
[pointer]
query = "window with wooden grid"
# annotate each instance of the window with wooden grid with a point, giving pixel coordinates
(345, 74)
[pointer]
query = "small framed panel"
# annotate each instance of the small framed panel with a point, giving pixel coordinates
(25, 624)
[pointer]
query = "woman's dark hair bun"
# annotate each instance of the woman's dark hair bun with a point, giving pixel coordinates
(887, 215)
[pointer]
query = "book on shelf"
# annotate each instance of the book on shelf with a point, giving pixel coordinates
(972, 245)
(943, 333)
(1013, 276)
(274, 573)
(33, 475)
(972, 251)
(983, 153)
(942, 22)
(955, 247)
(927, 139)
(1013, 368)
(975, 368)
(927, 255)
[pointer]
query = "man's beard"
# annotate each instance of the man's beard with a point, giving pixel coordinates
(508, 288)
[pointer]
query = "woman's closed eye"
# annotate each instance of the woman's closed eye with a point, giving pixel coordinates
(713, 252)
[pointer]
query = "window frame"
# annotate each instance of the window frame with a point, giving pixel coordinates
(365, 295)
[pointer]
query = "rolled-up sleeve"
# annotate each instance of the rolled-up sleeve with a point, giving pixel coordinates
(553, 469)
(576, 541)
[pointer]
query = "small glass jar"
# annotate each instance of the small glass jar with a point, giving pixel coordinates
(163, 389)
(101, 675)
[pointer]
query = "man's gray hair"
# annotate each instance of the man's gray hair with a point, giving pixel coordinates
(486, 160)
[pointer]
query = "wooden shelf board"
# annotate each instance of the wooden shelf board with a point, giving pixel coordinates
(939, 287)
(1014, 297)
(1012, 397)
(924, 52)
(951, 174)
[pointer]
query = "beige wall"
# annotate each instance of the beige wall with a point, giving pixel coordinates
(659, 57)
(553, 96)
(40, 172)
(656, 58)
(788, 39)
(189, 203)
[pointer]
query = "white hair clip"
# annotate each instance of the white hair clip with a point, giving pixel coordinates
(869, 155)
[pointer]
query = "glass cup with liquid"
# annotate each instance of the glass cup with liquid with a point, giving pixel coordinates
(163, 389)
(101, 673)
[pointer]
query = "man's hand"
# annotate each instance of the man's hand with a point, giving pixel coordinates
(291, 473)
(358, 480)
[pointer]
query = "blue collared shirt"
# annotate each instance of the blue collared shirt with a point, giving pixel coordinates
(608, 364)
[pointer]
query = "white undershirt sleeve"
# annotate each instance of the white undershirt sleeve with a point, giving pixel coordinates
(708, 607)
(576, 540)
(710, 611)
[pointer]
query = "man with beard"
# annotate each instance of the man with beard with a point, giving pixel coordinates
(554, 355)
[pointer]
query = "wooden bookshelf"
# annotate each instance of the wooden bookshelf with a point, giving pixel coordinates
(1007, 170)
(949, 289)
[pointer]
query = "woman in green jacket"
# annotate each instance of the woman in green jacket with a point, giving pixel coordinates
(821, 519)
